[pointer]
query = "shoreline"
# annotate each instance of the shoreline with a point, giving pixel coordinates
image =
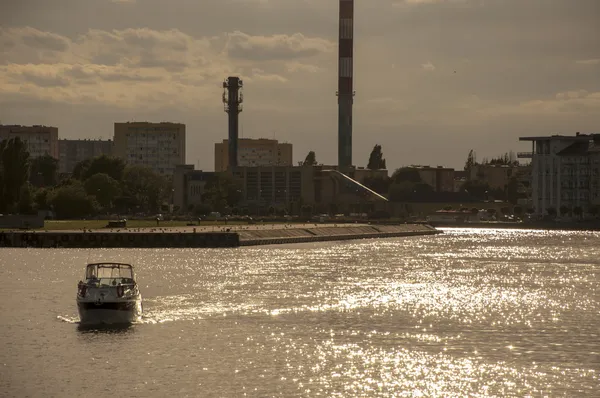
(546, 226)
(209, 237)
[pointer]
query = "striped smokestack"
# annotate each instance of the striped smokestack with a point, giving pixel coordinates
(345, 85)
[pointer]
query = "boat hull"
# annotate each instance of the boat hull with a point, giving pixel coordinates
(109, 313)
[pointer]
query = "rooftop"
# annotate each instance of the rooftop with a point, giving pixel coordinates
(577, 136)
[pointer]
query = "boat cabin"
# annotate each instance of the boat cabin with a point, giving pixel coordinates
(110, 274)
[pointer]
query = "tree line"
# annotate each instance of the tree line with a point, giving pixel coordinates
(100, 185)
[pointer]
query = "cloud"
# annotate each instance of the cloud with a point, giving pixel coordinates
(276, 47)
(38, 75)
(130, 67)
(588, 62)
(428, 66)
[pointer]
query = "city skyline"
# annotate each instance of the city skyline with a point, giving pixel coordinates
(433, 78)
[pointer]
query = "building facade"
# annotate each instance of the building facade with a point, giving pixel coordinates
(40, 140)
(282, 188)
(72, 152)
(495, 175)
(441, 179)
(254, 153)
(565, 173)
(188, 186)
(160, 146)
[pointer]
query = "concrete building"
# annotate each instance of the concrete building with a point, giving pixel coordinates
(188, 186)
(361, 174)
(496, 176)
(40, 140)
(283, 188)
(72, 152)
(565, 172)
(441, 179)
(254, 153)
(160, 146)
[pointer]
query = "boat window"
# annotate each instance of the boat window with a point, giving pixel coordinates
(102, 271)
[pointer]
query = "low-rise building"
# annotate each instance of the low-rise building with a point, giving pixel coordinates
(441, 179)
(284, 188)
(189, 186)
(40, 140)
(497, 176)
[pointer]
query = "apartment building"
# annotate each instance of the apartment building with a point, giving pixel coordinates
(160, 146)
(72, 152)
(40, 140)
(254, 153)
(565, 172)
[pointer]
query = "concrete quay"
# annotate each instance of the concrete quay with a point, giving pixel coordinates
(208, 237)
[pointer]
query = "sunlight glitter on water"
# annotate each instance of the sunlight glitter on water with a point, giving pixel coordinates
(468, 313)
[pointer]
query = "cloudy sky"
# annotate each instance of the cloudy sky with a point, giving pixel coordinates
(433, 78)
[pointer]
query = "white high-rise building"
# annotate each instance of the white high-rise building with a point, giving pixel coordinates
(565, 172)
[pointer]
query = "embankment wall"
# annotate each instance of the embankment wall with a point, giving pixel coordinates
(126, 239)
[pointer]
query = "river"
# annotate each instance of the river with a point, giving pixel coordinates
(471, 312)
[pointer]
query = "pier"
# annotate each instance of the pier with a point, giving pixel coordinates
(208, 237)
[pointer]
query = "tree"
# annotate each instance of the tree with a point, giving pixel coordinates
(25, 205)
(40, 199)
(71, 201)
(14, 172)
(222, 192)
(376, 160)
(476, 189)
(104, 188)
(578, 211)
(201, 209)
(551, 211)
(470, 161)
(409, 174)
(594, 210)
(113, 166)
(44, 171)
(147, 187)
(512, 190)
(564, 210)
(311, 159)
(378, 184)
(402, 191)
(80, 168)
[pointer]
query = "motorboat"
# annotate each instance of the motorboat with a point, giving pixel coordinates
(109, 295)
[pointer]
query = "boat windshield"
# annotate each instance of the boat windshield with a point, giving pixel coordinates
(110, 271)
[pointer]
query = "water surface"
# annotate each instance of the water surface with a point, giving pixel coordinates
(468, 313)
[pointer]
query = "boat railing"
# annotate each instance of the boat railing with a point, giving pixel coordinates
(110, 282)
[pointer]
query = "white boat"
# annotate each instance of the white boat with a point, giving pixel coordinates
(109, 295)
